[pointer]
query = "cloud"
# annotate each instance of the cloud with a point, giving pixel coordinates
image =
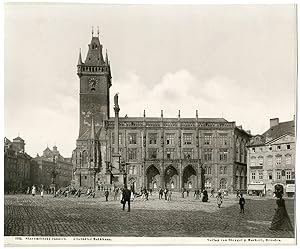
(213, 97)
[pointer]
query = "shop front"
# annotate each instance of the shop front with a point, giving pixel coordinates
(257, 189)
(290, 188)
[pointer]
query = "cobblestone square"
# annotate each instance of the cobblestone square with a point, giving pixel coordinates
(181, 217)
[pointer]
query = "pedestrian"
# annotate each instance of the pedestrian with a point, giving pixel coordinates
(242, 203)
(187, 193)
(28, 191)
(161, 192)
(33, 190)
(166, 192)
(197, 194)
(237, 193)
(42, 191)
(205, 196)
(169, 195)
(219, 199)
(126, 198)
(116, 193)
(182, 192)
(281, 219)
(212, 192)
(106, 193)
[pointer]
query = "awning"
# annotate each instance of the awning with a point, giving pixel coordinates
(256, 187)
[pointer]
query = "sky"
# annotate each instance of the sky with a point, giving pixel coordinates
(233, 61)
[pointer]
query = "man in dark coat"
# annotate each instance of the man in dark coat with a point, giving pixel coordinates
(242, 203)
(126, 198)
(106, 193)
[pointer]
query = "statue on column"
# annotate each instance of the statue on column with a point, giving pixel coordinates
(116, 97)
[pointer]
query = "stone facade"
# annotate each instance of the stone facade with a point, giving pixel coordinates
(271, 159)
(151, 152)
(51, 167)
(16, 166)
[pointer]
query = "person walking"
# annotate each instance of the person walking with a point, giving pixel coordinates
(42, 191)
(212, 192)
(161, 192)
(126, 194)
(242, 203)
(166, 192)
(281, 219)
(169, 195)
(205, 196)
(219, 199)
(33, 190)
(182, 192)
(106, 194)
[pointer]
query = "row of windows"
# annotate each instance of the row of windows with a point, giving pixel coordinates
(170, 139)
(288, 174)
(278, 160)
(271, 148)
(170, 153)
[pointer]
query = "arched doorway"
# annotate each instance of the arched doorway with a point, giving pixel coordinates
(171, 178)
(153, 177)
(189, 178)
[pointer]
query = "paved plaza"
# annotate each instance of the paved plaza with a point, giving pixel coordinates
(35, 216)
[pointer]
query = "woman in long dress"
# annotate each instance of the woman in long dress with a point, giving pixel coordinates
(33, 191)
(281, 219)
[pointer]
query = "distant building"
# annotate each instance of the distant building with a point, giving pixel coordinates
(271, 159)
(16, 166)
(51, 165)
(152, 152)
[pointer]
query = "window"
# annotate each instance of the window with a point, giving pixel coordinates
(270, 175)
(170, 153)
(288, 146)
(187, 153)
(208, 170)
(134, 170)
(130, 171)
(260, 175)
(223, 139)
(288, 175)
(253, 149)
(253, 175)
(207, 183)
(221, 170)
(278, 147)
(278, 175)
(187, 138)
(253, 161)
(270, 147)
(152, 153)
(207, 154)
(132, 153)
(288, 159)
(153, 138)
(132, 138)
(207, 139)
(278, 160)
(223, 154)
(225, 170)
(260, 161)
(223, 184)
(270, 160)
(170, 138)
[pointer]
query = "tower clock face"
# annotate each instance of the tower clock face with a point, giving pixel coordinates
(93, 82)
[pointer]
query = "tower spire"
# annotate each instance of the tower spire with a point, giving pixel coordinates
(106, 58)
(79, 59)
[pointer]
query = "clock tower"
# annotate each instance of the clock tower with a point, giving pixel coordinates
(95, 81)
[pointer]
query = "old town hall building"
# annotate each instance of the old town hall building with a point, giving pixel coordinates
(150, 152)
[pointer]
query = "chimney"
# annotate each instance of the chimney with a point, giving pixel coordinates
(274, 122)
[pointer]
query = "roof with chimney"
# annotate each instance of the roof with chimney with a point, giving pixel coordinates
(274, 132)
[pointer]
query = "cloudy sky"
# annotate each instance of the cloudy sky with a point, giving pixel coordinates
(236, 61)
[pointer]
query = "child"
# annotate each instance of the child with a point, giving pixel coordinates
(242, 203)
